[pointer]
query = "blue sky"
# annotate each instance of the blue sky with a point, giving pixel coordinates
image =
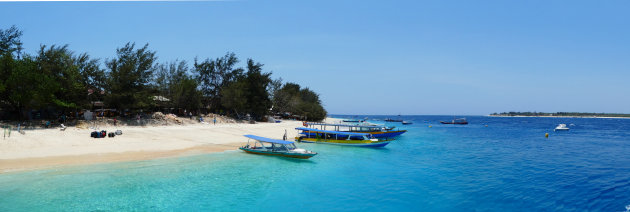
(376, 57)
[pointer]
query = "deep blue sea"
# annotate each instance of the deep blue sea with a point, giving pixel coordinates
(507, 166)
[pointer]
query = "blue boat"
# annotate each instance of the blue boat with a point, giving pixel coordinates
(377, 131)
(310, 135)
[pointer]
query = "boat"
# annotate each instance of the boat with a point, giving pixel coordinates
(352, 120)
(273, 147)
(561, 127)
(456, 121)
(393, 120)
(310, 135)
(377, 131)
(407, 122)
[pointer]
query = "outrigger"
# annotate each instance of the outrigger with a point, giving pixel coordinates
(377, 131)
(268, 146)
(310, 135)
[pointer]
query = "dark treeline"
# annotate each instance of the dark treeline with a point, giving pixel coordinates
(57, 81)
(571, 114)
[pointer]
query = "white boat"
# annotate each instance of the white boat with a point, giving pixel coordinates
(561, 127)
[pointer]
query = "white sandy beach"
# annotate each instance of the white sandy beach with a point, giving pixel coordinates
(44, 148)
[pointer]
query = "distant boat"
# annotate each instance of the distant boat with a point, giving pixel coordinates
(455, 121)
(268, 146)
(394, 120)
(407, 122)
(561, 127)
(352, 120)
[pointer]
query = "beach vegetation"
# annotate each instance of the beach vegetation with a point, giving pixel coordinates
(301, 102)
(57, 81)
(562, 114)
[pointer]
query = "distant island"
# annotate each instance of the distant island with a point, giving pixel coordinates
(562, 114)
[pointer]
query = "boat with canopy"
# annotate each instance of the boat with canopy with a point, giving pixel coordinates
(455, 121)
(273, 147)
(377, 131)
(310, 135)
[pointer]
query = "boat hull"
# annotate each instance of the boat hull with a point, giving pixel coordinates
(358, 143)
(443, 122)
(387, 134)
(376, 134)
(280, 154)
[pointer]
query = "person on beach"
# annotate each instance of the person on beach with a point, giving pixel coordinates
(190, 115)
(215, 120)
(115, 121)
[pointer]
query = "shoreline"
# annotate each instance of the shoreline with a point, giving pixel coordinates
(589, 117)
(37, 163)
(53, 148)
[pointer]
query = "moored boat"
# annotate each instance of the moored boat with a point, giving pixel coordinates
(407, 122)
(455, 121)
(377, 131)
(561, 127)
(273, 147)
(310, 135)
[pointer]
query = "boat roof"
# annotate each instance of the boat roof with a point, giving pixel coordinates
(346, 125)
(268, 140)
(332, 132)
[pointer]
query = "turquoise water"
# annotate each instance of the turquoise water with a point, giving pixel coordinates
(507, 166)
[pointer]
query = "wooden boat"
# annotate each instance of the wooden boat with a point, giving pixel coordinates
(456, 121)
(352, 120)
(273, 147)
(310, 135)
(407, 122)
(377, 131)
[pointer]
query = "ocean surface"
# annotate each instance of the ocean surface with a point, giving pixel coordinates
(507, 165)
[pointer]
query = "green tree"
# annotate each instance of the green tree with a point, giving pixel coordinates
(58, 64)
(302, 102)
(215, 75)
(249, 93)
(129, 77)
(10, 42)
(174, 82)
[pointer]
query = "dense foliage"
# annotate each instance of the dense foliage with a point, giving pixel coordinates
(571, 114)
(59, 81)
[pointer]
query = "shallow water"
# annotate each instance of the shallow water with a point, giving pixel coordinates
(506, 166)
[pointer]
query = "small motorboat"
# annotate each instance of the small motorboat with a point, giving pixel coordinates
(407, 122)
(273, 147)
(561, 127)
(455, 121)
